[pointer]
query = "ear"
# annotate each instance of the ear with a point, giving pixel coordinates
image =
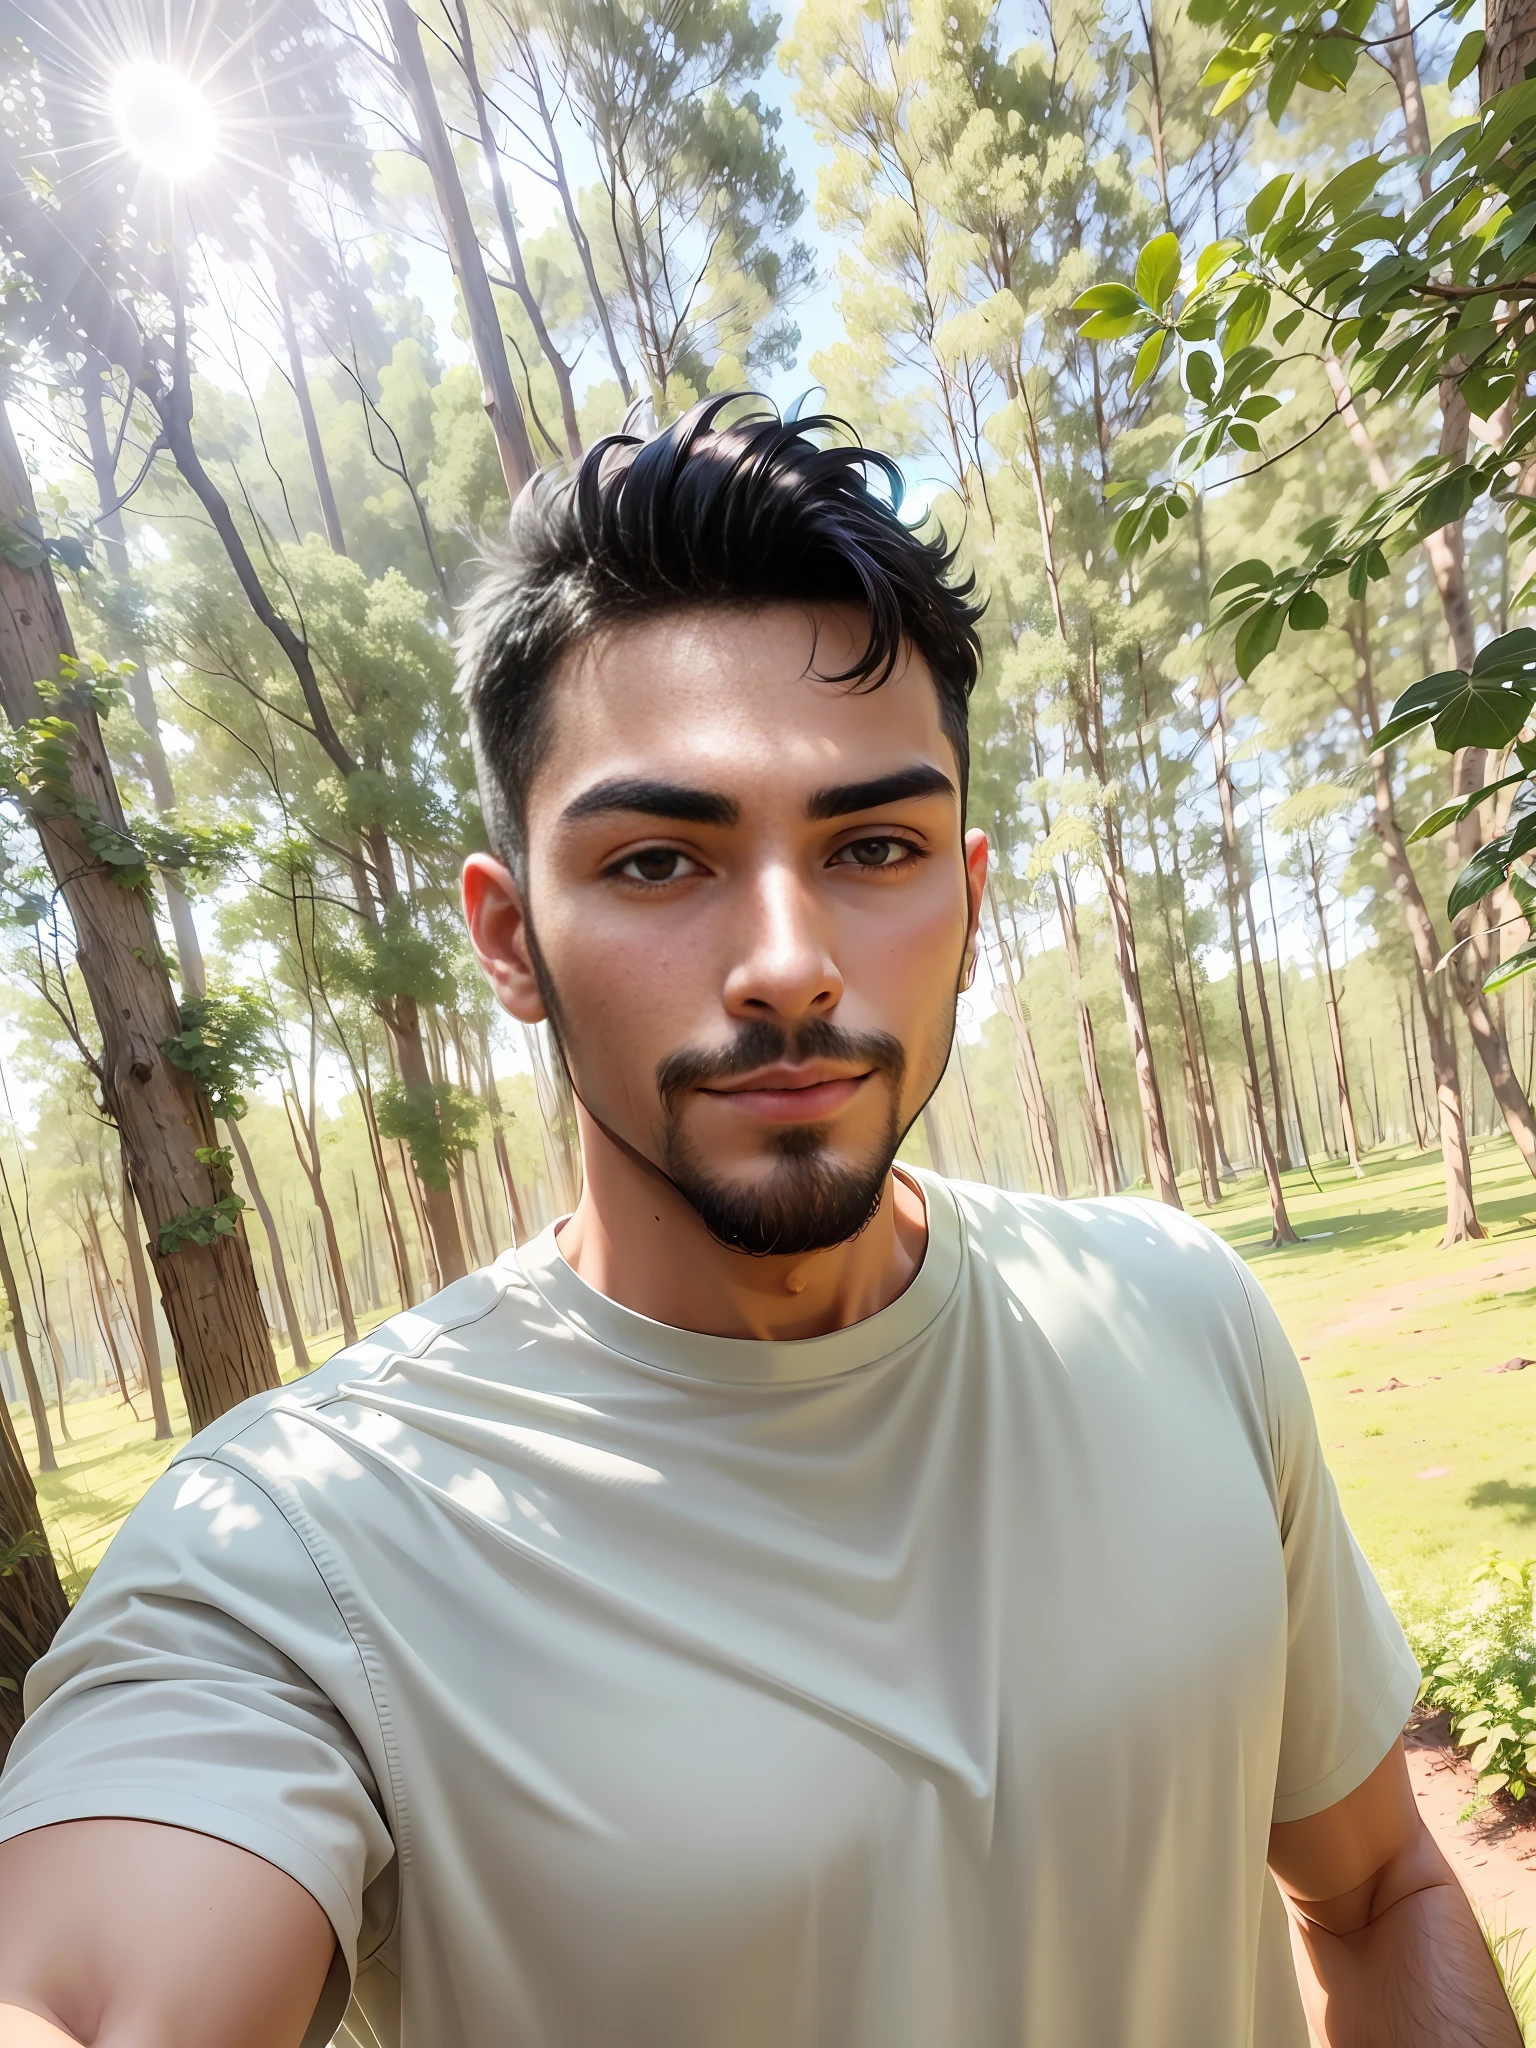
(498, 931)
(977, 860)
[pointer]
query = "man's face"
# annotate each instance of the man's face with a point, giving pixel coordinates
(748, 910)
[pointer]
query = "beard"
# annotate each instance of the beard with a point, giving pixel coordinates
(810, 1200)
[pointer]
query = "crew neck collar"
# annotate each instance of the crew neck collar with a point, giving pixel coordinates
(692, 1354)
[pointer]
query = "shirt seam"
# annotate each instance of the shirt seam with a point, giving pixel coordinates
(313, 1542)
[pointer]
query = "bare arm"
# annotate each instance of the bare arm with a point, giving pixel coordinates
(1386, 1945)
(128, 1935)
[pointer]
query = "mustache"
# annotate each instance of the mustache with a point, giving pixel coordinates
(763, 1044)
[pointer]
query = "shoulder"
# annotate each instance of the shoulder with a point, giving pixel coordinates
(1121, 1241)
(444, 1324)
(1157, 1280)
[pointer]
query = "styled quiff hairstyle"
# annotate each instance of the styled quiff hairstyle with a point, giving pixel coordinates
(762, 510)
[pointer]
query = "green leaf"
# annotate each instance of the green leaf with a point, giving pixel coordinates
(1211, 258)
(1308, 612)
(1435, 822)
(1486, 712)
(1258, 637)
(1484, 871)
(1148, 356)
(1448, 500)
(1112, 326)
(1468, 55)
(1359, 573)
(1157, 270)
(1242, 574)
(1249, 311)
(1287, 325)
(1418, 704)
(1200, 374)
(1107, 298)
(1265, 203)
(1506, 971)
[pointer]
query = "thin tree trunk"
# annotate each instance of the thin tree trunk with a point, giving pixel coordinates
(144, 1308)
(1038, 1119)
(393, 1229)
(46, 1461)
(290, 1307)
(1281, 1231)
(208, 1289)
(560, 369)
(1461, 1221)
(1335, 1034)
(498, 1140)
(325, 491)
(1158, 1150)
(418, 1209)
(498, 392)
(1413, 1079)
(308, 1151)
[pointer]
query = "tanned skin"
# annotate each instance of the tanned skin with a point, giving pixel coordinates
(769, 901)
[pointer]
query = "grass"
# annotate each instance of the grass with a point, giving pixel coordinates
(113, 1459)
(1435, 1468)
(1430, 1471)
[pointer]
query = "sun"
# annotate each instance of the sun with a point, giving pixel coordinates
(165, 120)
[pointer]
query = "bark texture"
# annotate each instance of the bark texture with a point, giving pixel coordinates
(208, 1290)
(32, 1603)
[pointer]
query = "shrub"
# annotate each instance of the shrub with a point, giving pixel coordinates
(1479, 1657)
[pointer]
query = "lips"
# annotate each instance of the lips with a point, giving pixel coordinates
(791, 1094)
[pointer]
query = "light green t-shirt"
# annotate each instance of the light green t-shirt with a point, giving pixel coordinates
(932, 1684)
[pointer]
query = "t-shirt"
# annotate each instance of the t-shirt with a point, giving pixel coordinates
(931, 1684)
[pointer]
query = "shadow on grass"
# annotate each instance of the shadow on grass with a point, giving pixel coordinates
(1518, 1502)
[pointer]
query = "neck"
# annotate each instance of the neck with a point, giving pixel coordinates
(634, 1238)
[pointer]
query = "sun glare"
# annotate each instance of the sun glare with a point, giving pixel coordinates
(165, 120)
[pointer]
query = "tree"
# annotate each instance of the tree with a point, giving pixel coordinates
(60, 776)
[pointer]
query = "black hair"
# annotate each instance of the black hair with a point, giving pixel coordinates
(762, 510)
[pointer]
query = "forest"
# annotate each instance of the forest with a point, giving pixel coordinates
(1202, 325)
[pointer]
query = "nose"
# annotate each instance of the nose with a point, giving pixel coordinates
(784, 968)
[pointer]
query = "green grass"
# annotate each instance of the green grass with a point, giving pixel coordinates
(112, 1460)
(1429, 1472)
(1432, 1471)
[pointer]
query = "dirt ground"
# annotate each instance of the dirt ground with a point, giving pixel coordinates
(1493, 1855)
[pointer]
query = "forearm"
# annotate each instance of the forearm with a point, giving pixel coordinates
(22, 2029)
(1417, 1975)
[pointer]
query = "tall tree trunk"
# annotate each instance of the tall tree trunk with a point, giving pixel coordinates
(46, 1461)
(1281, 1231)
(394, 1230)
(498, 1140)
(290, 1307)
(1038, 1120)
(208, 1290)
(189, 952)
(1461, 1221)
(1158, 1150)
(1335, 1034)
(32, 1603)
(307, 1147)
(325, 491)
(1468, 957)
(435, 1281)
(1271, 1052)
(497, 389)
(1201, 1116)
(1413, 1077)
(144, 1307)
(560, 369)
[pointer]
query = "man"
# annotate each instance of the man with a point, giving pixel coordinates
(795, 1603)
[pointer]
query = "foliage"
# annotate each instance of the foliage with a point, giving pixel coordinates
(228, 1041)
(1480, 1660)
(437, 1123)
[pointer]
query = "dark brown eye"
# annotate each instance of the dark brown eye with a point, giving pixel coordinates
(655, 864)
(876, 853)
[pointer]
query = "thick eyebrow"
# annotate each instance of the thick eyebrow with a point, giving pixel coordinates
(845, 797)
(656, 800)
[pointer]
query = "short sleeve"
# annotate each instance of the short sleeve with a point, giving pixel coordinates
(1350, 1678)
(197, 1684)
